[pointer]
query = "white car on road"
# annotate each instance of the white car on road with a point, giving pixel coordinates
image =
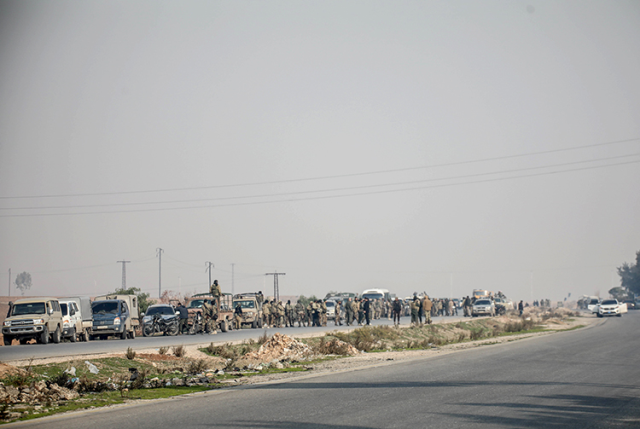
(610, 307)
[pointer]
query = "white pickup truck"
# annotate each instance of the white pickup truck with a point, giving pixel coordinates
(610, 307)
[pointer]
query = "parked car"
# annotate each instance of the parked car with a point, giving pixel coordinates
(85, 316)
(631, 305)
(610, 307)
(483, 307)
(71, 321)
(331, 309)
(33, 318)
(167, 326)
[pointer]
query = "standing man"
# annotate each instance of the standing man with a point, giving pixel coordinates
(367, 311)
(521, 307)
(237, 316)
(266, 313)
(184, 318)
(337, 318)
(397, 309)
(323, 312)
(415, 311)
(348, 312)
(288, 312)
(426, 305)
(300, 313)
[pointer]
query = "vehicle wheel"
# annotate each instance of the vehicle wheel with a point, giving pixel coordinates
(86, 337)
(598, 314)
(56, 335)
(224, 326)
(44, 337)
(254, 324)
(7, 340)
(173, 330)
(147, 330)
(124, 334)
(73, 337)
(619, 314)
(260, 323)
(132, 334)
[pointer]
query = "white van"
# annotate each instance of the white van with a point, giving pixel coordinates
(376, 294)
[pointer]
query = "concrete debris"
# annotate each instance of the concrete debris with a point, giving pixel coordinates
(36, 393)
(281, 348)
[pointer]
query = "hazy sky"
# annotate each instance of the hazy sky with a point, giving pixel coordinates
(435, 146)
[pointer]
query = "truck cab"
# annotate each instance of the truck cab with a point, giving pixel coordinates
(33, 318)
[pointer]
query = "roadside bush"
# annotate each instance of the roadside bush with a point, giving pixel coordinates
(263, 338)
(138, 382)
(130, 353)
(163, 350)
(196, 366)
(179, 351)
(475, 334)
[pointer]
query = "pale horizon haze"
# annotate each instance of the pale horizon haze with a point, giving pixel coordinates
(435, 146)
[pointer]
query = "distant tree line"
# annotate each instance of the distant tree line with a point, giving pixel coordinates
(629, 279)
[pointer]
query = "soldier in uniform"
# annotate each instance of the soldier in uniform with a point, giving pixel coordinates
(348, 310)
(300, 314)
(337, 318)
(415, 310)
(259, 298)
(288, 312)
(426, 306)
(266, 313)
(280, 316)
(315, 312)
(237, 316)
(214, 289)
(323, 312)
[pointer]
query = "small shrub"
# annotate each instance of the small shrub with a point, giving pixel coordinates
(461, 337)
(332, 347)
(196, 366)
(263, 338)
(163, 350)
(138, 383)
(179, 351)
(130, 353)
(61, 379)
(475, 334)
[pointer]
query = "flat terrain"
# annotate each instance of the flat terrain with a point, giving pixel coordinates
(585, 378)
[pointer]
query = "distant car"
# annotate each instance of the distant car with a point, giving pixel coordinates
(631, 305)
(610, 307)
(167, 311)
(331, 309)
(483, 307)
(506, 303)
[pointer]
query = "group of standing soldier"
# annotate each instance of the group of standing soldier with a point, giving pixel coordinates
(421, 309)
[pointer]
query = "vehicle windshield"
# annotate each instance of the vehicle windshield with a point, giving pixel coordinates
(196, 303)
(372, 296)
(30, 308)
(330, 304)
(593, 301)
(105, 307)
(165, 311)
(609, 302)
(483, 302)
(245, 304)
(65, 310)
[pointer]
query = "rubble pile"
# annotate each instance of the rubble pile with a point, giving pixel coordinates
(281, 348)
(36, 393)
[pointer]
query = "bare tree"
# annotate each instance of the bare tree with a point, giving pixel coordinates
(23, 282)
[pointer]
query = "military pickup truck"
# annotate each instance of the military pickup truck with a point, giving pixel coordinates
(115, 315)
(33, 318)
(225, 311)
(251, 309)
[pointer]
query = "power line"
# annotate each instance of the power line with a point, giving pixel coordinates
(564, 164)
(330, 196)
(328, 177)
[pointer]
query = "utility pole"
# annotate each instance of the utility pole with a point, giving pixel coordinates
(124, 273)
(276, 291)
(232, 283)
(209, 265)
(9, 290)
(159, 250)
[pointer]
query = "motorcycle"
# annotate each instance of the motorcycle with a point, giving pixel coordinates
(196, 324)
(169, 326)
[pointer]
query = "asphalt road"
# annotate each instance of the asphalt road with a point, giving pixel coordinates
(585, 378)
(113, 345)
